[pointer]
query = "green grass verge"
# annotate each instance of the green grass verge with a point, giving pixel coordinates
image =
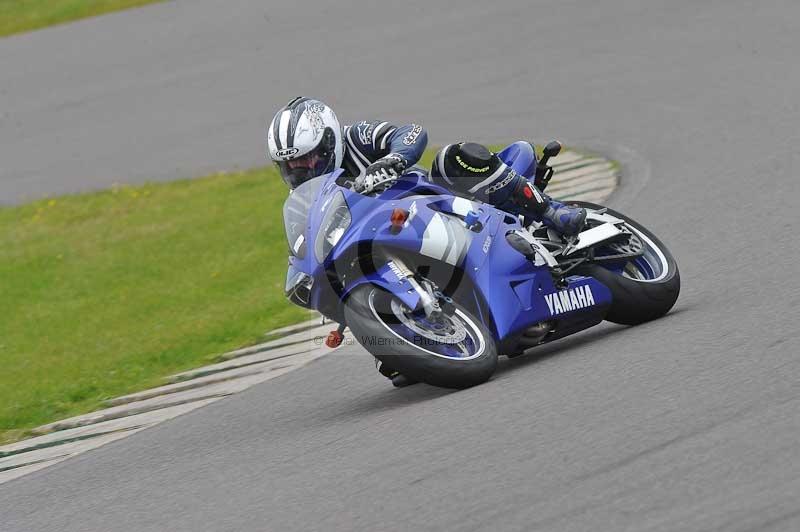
(17, 16)
(106, 293)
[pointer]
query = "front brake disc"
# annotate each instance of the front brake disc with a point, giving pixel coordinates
(445, 329)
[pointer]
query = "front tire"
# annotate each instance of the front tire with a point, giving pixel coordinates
(638, 298)
(396, 337)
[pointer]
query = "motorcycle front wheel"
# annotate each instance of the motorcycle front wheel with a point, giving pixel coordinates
(452, 350)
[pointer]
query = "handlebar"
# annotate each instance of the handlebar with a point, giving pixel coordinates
(543, 171)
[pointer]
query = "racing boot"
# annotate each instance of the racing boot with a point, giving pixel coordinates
(565, 219)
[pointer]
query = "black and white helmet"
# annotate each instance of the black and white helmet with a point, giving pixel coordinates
(305, 140)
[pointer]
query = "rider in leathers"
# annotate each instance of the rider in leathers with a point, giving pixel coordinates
(306, 140)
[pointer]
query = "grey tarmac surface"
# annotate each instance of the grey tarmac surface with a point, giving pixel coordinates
(689, 423)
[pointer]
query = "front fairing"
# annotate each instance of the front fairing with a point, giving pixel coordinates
(303, 212)
(368, 232)
(510, 293)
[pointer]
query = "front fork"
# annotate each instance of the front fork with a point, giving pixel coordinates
(430, 297)
(433, 302)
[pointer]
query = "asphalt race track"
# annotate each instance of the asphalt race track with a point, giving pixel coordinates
(688, 423)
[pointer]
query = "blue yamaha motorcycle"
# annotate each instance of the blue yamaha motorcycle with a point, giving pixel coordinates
(435, 286)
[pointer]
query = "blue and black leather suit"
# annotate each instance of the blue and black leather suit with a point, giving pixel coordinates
(368, 141)
(468, 169)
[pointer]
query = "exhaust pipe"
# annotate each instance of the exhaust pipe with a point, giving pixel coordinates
(535, 334)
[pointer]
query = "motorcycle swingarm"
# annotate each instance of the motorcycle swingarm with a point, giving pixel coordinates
(604, 233)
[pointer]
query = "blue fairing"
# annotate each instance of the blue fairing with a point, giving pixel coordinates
(507, 291)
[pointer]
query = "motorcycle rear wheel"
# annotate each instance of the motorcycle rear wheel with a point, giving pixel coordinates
(642, 289)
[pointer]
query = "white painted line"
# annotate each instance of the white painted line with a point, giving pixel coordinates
(297, 327)
(297, 338)
(283, 353)
(584, 171)
(11, 474)
(608, 182)
(577, 163)
(38, 459)
(147, 405)
(597, 176)
(593, 197)
(566, 156)
(148, 418)
(183, 386)
(600, 189)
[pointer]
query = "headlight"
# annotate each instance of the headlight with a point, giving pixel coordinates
(335, 222)
(298, 287)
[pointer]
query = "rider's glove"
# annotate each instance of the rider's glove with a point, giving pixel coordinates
(382, 173)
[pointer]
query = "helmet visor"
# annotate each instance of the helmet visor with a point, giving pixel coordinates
(297, 171)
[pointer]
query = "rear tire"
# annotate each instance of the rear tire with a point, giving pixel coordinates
(636, 301)
(369, 315)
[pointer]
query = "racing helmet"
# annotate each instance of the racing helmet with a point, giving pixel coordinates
(304, 141)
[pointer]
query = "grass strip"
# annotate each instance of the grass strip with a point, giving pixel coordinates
(106, 293)
(17, 16)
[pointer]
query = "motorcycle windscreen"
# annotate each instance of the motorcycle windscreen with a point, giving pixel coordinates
(295, 214)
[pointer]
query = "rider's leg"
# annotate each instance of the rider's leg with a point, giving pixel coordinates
(472, 170)
(520, 156)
